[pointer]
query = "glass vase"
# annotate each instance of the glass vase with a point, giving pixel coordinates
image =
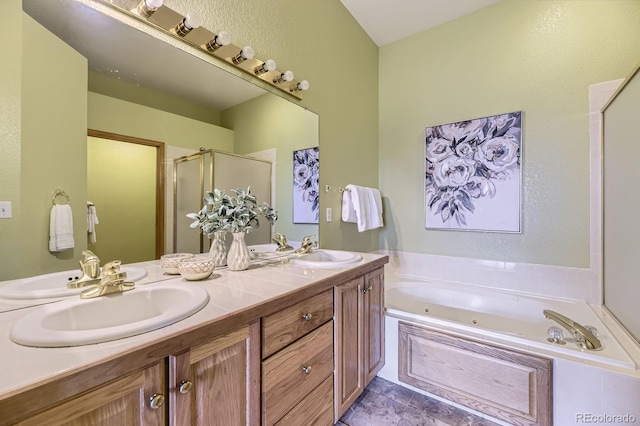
(218, 250)
(238, 257)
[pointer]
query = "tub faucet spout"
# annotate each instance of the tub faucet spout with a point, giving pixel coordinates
(584, 338)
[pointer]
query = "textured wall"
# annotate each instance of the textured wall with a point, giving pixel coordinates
(272, 122)
(117, 116)
(321, 42)
(10, 105)
(52, 147)
(538, 57)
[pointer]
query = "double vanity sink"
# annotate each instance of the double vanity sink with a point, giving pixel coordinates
(320, 258)
(74, 321)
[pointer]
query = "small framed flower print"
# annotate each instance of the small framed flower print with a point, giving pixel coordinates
(306, 186)
(473, 174)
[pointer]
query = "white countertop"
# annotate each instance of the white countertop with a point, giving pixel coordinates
(23, 367)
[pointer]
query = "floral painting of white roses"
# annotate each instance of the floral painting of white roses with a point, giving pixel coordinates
(473, 174)
(306, 186)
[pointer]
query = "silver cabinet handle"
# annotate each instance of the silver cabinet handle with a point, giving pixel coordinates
(307, 317)
(366, 289)
(156, 401)
(185, 386)
(306, 369)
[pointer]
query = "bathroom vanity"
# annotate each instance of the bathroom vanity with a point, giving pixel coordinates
(277, 344)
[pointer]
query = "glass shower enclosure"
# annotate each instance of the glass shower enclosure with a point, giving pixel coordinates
(195, 174)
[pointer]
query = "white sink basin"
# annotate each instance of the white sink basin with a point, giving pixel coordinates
(323, 258)
(55, 285)
(76, 322)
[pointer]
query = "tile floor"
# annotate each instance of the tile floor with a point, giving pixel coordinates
(384, 403)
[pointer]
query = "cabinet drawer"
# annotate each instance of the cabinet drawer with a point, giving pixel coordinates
(286, 326)
(284, 381)
(315, 410)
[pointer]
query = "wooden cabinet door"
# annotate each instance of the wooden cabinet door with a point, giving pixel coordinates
(373, 310)
(124, 401)
(349, 380)
(218, 382)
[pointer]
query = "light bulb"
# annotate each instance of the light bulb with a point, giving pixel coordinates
(284, 77)
(146, 8)
(222, 39)
(246, 53)
(303, 85)
(191, 21)
(269, 65)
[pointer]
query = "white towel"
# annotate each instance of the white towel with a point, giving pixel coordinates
(367, 204)
(348, 212)
(60, 228)
(92, 221)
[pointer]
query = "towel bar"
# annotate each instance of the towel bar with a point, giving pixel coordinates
(61, 193)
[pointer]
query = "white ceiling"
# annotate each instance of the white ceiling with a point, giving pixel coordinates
(387, 21)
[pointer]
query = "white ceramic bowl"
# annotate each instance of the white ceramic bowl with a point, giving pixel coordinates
(196, 268)
(170, 262)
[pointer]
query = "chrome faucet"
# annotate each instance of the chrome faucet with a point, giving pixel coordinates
(307, 245)
(90, 266)
(112, 281)
(281, 241)
(584, 338)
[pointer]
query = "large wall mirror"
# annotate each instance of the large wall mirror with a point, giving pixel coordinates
(621, 230)
(134, 74)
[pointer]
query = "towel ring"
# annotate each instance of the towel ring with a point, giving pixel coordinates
(60, 192)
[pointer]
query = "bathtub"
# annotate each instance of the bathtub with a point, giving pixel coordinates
(510, 319)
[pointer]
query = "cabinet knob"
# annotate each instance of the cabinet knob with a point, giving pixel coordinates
(307, 317)
(306, 369)
(366, 289)
(156, 401)
(185, 386)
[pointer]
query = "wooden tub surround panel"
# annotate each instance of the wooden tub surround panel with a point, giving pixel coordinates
(505, 384)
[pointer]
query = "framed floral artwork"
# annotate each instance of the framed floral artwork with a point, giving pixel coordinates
(473, 174)
(306, 187)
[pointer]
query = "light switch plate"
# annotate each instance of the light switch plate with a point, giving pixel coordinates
(329, 214)
(5, 209)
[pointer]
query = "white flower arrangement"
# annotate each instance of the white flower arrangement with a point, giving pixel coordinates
(233, 213)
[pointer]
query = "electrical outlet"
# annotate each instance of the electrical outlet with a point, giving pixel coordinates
(329, 214)
(5, 209)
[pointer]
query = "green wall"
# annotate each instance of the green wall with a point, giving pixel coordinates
(44, 135)
(271, 122)
(10, 124)
(321, 42)
(121, 182)
(538, 57)
(118, 88)
(114, 115)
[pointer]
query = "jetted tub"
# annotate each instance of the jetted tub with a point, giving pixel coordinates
(510, 319)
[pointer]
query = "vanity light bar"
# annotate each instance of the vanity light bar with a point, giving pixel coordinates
(188, 29)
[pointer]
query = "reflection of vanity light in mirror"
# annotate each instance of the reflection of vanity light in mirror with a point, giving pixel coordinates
(222, 39)
(303, 85)
(146, 8)
(269, 65)
(284, 77)
(244, 54)
(190, 22)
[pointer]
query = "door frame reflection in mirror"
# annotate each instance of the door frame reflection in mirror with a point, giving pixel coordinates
(159, 179)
